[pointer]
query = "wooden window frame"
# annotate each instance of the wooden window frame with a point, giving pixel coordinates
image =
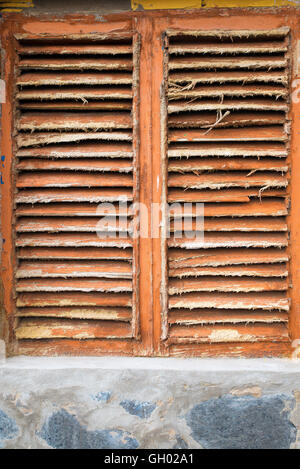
(151, 26)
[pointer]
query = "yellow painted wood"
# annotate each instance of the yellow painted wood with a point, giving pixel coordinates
(13, 3)
(190, 4)
(15, 6)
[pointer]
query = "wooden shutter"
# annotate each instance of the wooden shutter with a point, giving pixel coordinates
(227, 146)
(76, 122)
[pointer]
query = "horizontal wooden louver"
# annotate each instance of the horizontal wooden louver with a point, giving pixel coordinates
(76, 147)
(227, 103)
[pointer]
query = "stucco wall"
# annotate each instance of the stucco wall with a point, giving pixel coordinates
(134, 403)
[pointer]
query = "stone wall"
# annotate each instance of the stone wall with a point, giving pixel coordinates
(134, 403)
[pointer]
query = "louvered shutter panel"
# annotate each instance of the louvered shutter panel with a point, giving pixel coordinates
(227, 147)
(76, 147)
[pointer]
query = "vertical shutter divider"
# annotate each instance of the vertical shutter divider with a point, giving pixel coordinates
(164, 153)
(136, 172)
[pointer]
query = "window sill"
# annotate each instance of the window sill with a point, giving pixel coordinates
(211, 365)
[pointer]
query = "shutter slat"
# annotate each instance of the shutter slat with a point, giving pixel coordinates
(236, 119)
(227, 149)
(227, 90)
(258, 270)
(223, 195)
(228, 48)
(218, 300)
(70, 299)
(271, 133)
(74, 121)
(244, 104)
(219, 34)
(79, 105)
(77, 93)
(231, 240)
(80, 150)
(71, 179)
(229, 164)
(263, 207)
(48, 138)
(32, 196)
(234, 284)
(70, 209)
(231, 224)
(231, 333)
(82, 78)
(75, 253)
(75, 329)
(120, 166)
(102, 269)
(98, 49)
(63, 63)
(210, 316)
(179, 259)
(84, 285)
(111, 314)
(249, 62)
(56, 225)
(220, 180)
(71, 240)
(223, 76)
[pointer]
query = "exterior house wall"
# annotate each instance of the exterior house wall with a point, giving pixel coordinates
(135, 403)
(131, 403)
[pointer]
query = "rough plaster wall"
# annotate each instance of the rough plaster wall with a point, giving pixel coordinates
(152, 403)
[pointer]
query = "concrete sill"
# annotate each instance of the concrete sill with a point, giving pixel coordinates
(228, 365)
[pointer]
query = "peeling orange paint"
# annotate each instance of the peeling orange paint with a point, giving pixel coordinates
(195, 4)
(151, 26)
